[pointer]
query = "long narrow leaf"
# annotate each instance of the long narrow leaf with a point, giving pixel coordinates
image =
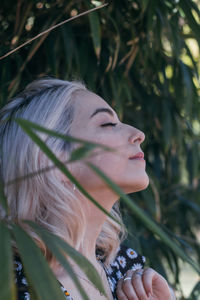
(145, 219)
(3, 200)
(195, 294)
(56, 244)
(95, 32)
(190, 19)
(7, 286)
(38, 273)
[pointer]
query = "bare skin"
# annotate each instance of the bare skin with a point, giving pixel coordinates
(144, 285)
(129, 174)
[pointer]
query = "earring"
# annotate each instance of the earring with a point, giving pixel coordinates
(74, 187)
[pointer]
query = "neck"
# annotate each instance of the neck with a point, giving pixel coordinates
(95, 219)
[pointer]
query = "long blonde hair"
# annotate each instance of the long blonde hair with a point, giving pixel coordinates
(43, 198)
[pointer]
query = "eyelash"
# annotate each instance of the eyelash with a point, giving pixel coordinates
(109, 124)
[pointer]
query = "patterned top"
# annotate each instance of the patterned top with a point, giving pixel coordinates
(126, 259)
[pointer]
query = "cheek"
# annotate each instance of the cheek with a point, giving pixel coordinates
(123, 171)
(110, 164)
(108, 161)
(108, 137)
(130, 177)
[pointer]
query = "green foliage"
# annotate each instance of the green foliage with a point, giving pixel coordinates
(6, 275)
(143, 58)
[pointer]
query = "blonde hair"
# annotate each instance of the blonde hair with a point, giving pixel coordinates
(43, 198)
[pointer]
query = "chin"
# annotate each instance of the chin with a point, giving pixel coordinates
(144, 183)
(138, 186)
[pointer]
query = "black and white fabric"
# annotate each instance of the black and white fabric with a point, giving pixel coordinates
(126, 259)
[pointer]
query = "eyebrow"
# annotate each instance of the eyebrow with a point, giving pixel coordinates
(103, 109)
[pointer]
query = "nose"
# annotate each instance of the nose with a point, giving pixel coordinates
(136, 136)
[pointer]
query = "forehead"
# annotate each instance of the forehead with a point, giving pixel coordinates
(86, 102)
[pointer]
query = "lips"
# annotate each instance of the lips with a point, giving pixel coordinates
(139, 156)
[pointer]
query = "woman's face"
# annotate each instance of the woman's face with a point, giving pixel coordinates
(96, 121)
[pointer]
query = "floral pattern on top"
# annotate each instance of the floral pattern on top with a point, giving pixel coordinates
(126, 259)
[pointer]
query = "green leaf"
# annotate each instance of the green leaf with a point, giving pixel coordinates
(187, 83)
(37, 270)
(195, 294)
(15, 84)
(68, 44)
(167, 124)
(7, 286)
(3, 200)
(151, 225)
(144, 4)
(117, 89)
(57, 245)
(96, 32)
(186, 7)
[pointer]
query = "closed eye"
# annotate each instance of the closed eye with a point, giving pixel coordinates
(109, 124)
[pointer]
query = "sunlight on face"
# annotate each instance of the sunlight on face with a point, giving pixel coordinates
(96, 121)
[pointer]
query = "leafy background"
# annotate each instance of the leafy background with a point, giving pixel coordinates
(143, 58)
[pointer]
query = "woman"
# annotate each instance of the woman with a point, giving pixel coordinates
(51, 200)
